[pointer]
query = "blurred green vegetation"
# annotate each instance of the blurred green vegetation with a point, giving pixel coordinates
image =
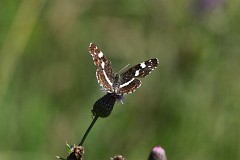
(189, 104)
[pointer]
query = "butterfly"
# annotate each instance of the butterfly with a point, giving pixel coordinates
(119, 83)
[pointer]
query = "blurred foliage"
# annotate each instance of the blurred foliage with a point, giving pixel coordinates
(189, 104)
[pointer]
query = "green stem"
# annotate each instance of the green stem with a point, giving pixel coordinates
(88, 130)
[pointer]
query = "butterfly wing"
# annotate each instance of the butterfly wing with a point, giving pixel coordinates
(129, 87)
(129, 81)
(104, 73)
(141, 70)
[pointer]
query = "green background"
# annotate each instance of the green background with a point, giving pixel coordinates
(190, 104)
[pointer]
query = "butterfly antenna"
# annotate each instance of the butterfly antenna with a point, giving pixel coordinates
(123, 68)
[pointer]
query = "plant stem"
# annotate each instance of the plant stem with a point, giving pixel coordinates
(88, 130)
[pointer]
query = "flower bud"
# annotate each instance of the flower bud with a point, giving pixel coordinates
(157, 153)
(104, 106)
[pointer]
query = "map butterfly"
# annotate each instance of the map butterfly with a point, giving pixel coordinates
(119, 83)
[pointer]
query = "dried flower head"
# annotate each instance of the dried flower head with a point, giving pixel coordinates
(118, 157)
(77, 153)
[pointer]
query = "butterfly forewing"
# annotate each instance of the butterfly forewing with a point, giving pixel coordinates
(104, 71)
(141, 70)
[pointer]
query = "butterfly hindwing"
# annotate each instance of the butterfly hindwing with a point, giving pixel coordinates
(130, 86)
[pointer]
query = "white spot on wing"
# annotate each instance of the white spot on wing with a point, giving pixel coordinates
(143, 65)
(136, 73)
(100, 55)
(103, 65)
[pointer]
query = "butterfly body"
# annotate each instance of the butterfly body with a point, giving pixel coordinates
(116, 83)
(119, 83)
